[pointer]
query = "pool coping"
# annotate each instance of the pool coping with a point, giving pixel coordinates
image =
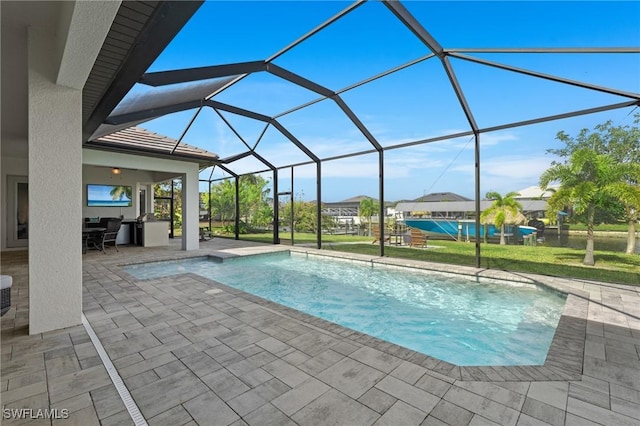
(564, 360)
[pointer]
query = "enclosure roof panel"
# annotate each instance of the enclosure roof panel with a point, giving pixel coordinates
(144, 104)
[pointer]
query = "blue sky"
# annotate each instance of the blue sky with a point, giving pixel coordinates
(413, 104)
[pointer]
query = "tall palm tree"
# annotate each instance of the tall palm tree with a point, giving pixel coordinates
(627, 191)
(367, 209)
(503, 211)
(586, 181)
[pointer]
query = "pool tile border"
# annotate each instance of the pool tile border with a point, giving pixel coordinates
(564, 359)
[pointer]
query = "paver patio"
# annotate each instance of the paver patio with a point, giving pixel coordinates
(193, 351)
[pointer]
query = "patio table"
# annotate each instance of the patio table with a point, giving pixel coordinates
(398, 238)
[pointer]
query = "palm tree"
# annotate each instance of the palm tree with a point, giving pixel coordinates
(367, 209)
(627, 191)
(120, 191)
(586, 181)
(504, 211)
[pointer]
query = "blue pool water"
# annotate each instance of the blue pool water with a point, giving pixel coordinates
(447, 316)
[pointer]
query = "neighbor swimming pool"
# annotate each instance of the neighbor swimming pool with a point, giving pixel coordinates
(447, 316)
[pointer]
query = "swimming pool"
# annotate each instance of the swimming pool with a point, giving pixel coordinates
(447, 316)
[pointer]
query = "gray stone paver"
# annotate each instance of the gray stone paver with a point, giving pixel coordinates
(544, 412)
(208, 409)
(267, 415)
(573, 420)
(75, 383)
(401, 413)
(408, 372)
(194, 356)
(271, 390)
(166, 393)
(225, 384)
(106, 401)
(432, 384)
(321, 362)
(526, 420)
(478, 420)
(376, 359)
(599, 397)
(407, 393)
(377, 400)
(293, 400)
(630, 409)
(494, 393)
(177, 415)
(142, 379)
(552, 393)
(122, 418)
(286, 372)
(625, 393)
(247, 402)
(333, 408)
(482, 406)
(351, 377)
(598, 414)
(432, 421)
(451, 414)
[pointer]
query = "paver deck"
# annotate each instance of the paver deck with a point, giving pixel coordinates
(193, 351)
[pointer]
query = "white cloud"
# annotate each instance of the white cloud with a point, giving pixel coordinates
(508, 167)
(508, 173)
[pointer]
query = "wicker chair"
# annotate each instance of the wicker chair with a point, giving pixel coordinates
(5, 293)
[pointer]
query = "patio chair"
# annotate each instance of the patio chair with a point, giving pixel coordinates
(376, 235)
(109, 235)
(205, 234)
(418, 238)
(86, 239)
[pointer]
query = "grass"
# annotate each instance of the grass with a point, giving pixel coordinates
(605, 227)
(612, 267)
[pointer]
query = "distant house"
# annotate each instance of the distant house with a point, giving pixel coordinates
(441, 197)
(348, 211)
(436, 204)
(535, 192)
(534, 200)
(454, 206)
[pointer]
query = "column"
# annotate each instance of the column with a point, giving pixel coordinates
(55, 192)
(190, 210)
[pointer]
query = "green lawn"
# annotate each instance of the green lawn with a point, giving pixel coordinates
(605, 227)
(610, 267)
